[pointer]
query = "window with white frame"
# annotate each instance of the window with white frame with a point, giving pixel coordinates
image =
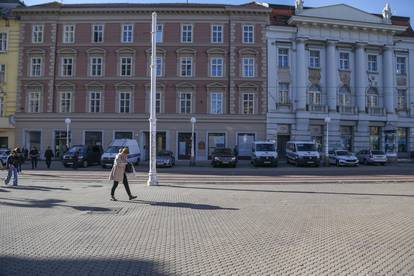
(315, 95)
(187, 33)
(248, 103)
(372, 63)
(124, 102)
(186, 66)
(95, 100)
(216, 67)
(344, 61)
(248, 34)
(402, 99)
(127, 33)
(68, 33)
(126, 67)
(34, 102)
(284, 93)
(186, 100)
(3, 42)
(216, 103)
(344, 96)
(97, 33)
(217, 34)
(248, 67)
(67, 67)
(314, 59)
(372, 97)
(2, 111)
(37, 33)
(158, 102)
(401, 66)
(159, 68)
(2, 73)
(283, 57)
(65, 102)
(36, 67)
(96, 66)
(160, 33)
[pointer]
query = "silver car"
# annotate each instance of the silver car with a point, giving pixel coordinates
(343, 158)
(372, 157)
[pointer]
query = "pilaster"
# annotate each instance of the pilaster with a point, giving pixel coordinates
(360, 74)
(300, 74)
(331, 72)
(388, 69)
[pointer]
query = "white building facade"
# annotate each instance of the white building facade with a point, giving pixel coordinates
(341, 63)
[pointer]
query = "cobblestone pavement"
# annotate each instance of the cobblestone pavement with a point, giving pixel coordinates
(64, 224)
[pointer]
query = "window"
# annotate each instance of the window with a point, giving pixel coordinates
(127, 33)
(159, 66)
(123, 135)
(401, 66)
(2, 107)
(344, 96)
(314, 59)
(248, 34)
(216, 103)
(95, 99)
(67, 67)
(97, 33)
(216, 67)
(37, 34)
(248, 103)
(248, 67)
(3, 42)
(186, 102)
(96, 66)
(158, 102)
(402, 139)
(126, 66)
(283, 58)
(68, 33)
(375, 138)
(36, 67)
(372, 97)
(284, 93)
(34, 102)
(402, 99)
(315, 97)
(344, 61)
(124, 102)
(2, 73)
(372, 63)
(186, 66)
(217, 34)
(160, 33)
(65, 102)
(187, 33)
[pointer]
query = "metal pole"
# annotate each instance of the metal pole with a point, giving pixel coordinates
(327, 144)
(152, 175)
(192, 144)
(67, 136)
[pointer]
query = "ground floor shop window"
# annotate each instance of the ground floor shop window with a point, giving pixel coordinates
(123, 135)
(244, 144)
(316, 132)
(33, 139)
(346, 137)
(93, 138)
(60, 142)
(216, 140)
(402, 139)
(161, 142)
(184, 145)
(4, 142)
(375, 138)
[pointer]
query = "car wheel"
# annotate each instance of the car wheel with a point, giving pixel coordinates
(275, 164)
(337, 163)
(66, 165)
(382, 164)
(365, 162)
(85, 164)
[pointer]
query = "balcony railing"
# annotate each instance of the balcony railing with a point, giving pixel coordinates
(320, 108)
(376, 111)
(284, 106)
(347, 109)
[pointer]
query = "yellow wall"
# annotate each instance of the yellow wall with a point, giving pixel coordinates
(10, 59)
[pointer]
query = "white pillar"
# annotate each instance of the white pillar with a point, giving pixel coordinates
(360, 74)
(331, 72)
(300, 74)
(388, 70)
(411, 81)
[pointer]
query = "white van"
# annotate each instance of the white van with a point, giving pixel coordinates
(302, 153)
(264, 153)
(134, 156)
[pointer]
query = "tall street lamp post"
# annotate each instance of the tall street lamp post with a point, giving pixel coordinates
(67, 122)
(192, 160)
(327, 121)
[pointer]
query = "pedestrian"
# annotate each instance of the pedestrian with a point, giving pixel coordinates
(25, 153)
(75, 160)
(11, 165)
(48, 157)
(118, 173)
(34, 155)
(20, 159)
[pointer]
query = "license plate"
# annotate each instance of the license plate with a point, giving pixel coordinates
(69, 163)
(309, 162)
(267, 162)
(225, 162)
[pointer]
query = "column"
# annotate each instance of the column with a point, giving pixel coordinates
(388, 78)
(331, 72)
(360, 74)
(300, 74)
(410, 78)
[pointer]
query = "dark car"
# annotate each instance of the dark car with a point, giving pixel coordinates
(165, 159)
(223, 157)
(88, 155)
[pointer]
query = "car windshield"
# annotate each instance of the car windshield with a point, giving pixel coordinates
(265, 147)
(343, 153)
(75, 149)
(163, 153)
(223, 151)
(377, 152)
(113, 149)
(306, 147)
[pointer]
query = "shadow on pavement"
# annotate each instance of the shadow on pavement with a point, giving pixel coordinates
(77, 266)
(37, 188)
(180, 205)
(4, 191)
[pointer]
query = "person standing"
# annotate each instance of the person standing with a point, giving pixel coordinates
(11, 165)
(118, 173)
(76, 160)
(20, 159)
(48, 157)
(34, 155)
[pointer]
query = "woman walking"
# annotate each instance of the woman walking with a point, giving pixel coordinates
(12, 163)
(118, 173)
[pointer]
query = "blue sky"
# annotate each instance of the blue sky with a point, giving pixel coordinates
(399, 7)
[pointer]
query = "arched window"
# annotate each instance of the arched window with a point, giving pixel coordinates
(372, 97)
(344, 96)
(314, 93)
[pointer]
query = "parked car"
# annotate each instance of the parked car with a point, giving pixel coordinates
(264, 153)
(372, 157)
(4, 153)
(88, 155)
(165, 159)
(223, 157)
(134, 156)
(302, 153)
(342, 158)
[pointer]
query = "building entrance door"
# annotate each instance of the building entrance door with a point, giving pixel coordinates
(281, 145)
(184, 145)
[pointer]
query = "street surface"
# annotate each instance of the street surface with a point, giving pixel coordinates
(205, 221)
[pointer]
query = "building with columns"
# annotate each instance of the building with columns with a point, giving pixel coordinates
(343, 63)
